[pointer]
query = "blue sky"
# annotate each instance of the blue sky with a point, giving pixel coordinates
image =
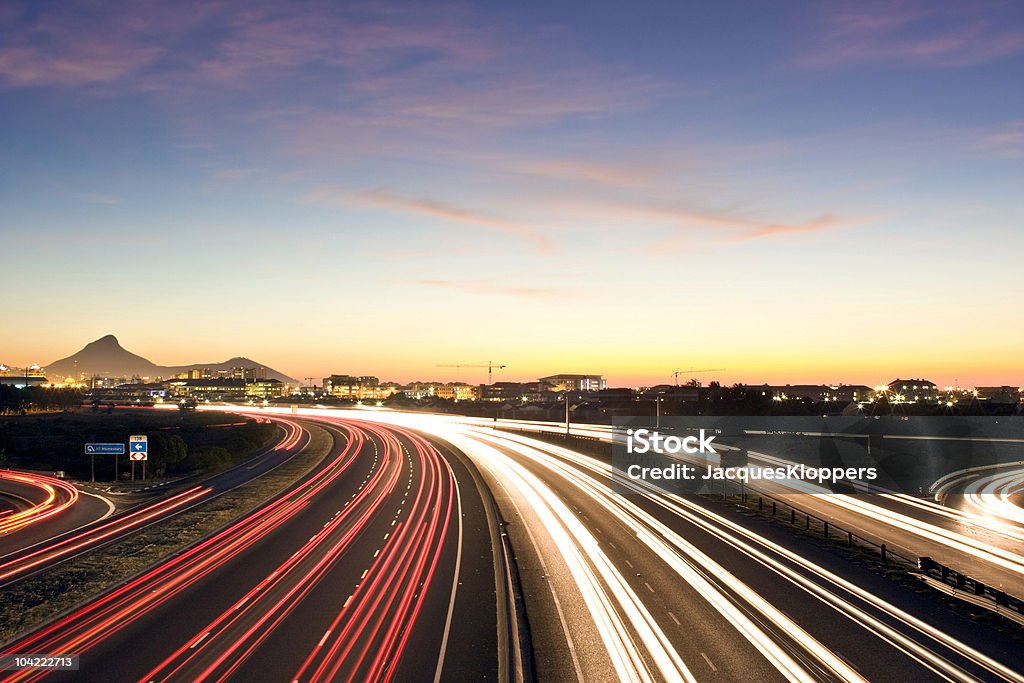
(801, 191)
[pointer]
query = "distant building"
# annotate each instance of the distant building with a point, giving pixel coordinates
(226, 389)
(511, 391)
(816, 393)
(264, 388)
(1003, 394)
(21, 381)
(566, 382)
(359, 387)
(668, 392)
(620, 394)
(32, 376)
(913, 391)
(250, 372)
(850, 393)
(454, 391)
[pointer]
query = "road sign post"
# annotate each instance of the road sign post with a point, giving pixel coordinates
(139, 451)
(104, 448)
(94, 449)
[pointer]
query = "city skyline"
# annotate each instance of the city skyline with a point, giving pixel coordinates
(815, 193)
(501, 373)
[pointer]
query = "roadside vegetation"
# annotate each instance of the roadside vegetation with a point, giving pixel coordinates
(180, 442)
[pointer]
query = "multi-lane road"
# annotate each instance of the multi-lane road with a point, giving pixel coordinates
(652, 586)
(77, 521)
(35, 507)
(979, 531)
(428, 547)
(377, 565)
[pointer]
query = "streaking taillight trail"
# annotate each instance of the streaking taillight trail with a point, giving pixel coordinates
(57, 496)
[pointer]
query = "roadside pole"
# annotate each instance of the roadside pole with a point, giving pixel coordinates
(567, 415)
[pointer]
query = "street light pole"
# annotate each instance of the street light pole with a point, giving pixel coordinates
(567, 414)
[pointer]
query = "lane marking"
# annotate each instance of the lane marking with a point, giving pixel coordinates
(551, 585)
(455, 581)
(708, 660)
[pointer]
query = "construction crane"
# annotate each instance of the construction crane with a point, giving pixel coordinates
(490, 365)
(692, 371)
(310, 380)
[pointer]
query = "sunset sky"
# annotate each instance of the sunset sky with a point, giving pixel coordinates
(802, 192)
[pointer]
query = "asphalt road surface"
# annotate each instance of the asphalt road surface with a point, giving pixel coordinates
(375, 566)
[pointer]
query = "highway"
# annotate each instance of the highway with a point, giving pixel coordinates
(87, 522)
(385, 563)
(359, 572)
(39, 507)
(660, 587)
(677, 591)
(976, 534)
(29, 498)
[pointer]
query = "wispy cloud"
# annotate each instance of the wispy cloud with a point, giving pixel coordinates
(428, 207)
(721, 227)
(818, 224)
(392, 64)
(915, 33)
(490, 288)
(77, 44)
(1007, 141)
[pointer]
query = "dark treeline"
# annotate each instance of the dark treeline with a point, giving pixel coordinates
(179, 443)
(14, 401)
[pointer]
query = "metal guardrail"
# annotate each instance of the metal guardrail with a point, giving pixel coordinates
(937, 575)
(830, 530)
(967, 587)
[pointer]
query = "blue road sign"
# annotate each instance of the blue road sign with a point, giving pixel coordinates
(104, 448)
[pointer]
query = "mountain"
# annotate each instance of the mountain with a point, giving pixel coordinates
(106, 357)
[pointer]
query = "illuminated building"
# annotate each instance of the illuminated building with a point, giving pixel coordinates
(358, 387)
(567, 382)
(912, 391)
(224, 389)
(453, 391)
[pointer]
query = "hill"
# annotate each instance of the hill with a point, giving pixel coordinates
(106, 357)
